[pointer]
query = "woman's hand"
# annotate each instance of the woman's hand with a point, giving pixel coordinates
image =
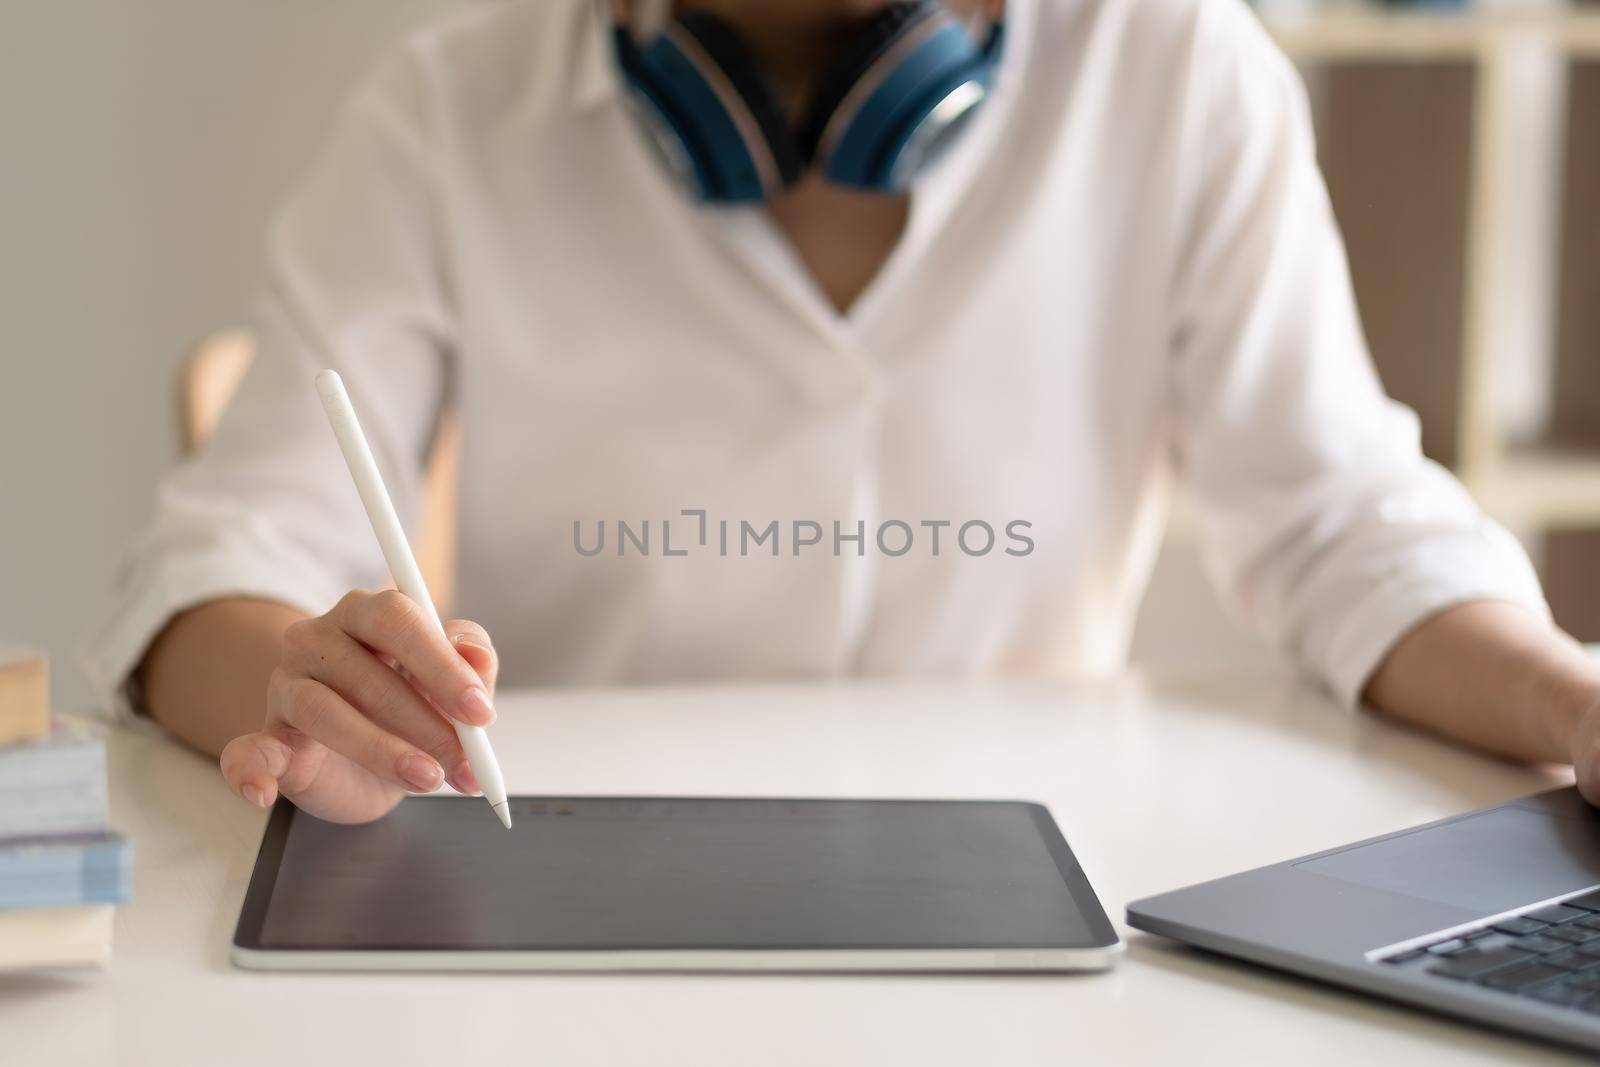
(359, 709)
(1502, 678)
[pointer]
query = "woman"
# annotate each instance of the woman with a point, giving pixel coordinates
(851, 337)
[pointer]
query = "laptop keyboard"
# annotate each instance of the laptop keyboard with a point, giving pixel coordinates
(1549, 954)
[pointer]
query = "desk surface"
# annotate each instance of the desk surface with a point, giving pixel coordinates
(1157, 782)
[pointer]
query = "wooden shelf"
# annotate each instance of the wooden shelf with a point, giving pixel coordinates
(1540, 489)
(1361, 33)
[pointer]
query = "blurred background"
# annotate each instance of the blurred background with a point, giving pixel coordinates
(146, 145)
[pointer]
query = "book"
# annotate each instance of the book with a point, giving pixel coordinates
(56, 785)
(24, 696)
(48, 872)
(56, 937)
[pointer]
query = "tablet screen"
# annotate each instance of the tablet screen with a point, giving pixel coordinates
(660, 873)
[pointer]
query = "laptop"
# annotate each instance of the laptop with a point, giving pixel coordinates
(1492, 916)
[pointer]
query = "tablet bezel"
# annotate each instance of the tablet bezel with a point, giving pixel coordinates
(1098, 953)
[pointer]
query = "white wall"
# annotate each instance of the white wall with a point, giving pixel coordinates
(142, 146)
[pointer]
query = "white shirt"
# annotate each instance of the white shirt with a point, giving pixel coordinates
(1126, 275)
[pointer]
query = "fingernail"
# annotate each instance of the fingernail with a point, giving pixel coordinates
(252, 795)
(475, 707)
(471, 641)
(420, 773)
(464, 781)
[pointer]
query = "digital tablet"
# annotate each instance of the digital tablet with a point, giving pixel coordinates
(674, 883)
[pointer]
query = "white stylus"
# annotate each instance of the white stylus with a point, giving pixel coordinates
(403, 565)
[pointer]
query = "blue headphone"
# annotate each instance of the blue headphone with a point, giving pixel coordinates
(887, 104)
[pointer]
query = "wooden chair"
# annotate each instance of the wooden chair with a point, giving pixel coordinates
(207, 383)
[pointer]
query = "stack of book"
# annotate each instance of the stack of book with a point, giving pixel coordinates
(62, 871)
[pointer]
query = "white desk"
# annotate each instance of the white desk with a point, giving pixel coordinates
(1157, 783)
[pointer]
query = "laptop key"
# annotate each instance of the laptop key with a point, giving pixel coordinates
(1563, 993)
(1473, 935)
(1445, 948)
(1573, 933)
(1479, 962)
(1517, 979)
(1540, 943)
(1518, 926)
(1557, 913)
(1589, 901)
(1586, 980)
(1571, 960)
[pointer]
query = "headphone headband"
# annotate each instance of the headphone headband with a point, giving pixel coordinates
(881, 111)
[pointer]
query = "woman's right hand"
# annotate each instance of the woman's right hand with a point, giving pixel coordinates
(359, 710)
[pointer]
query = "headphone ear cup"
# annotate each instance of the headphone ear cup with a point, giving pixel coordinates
(711, 109)
(841, 73)
(871, 100)
(756, 92)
